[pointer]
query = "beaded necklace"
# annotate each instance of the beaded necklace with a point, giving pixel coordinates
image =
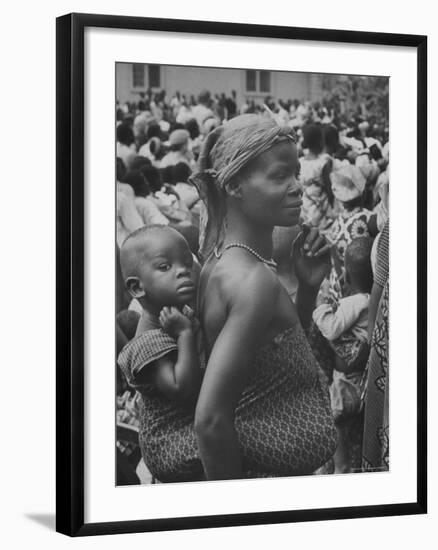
(270, 263)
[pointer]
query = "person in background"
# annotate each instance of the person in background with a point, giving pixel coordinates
(179, 149)
(164, 196)
(375, 450)
(195, 137)
(201, 111)
(152, 148)
(186, 191)
(138, 162)
(125, 146)
(315, 167)
(345, 328)
(147, 209)
(353, 221)
(128, 219)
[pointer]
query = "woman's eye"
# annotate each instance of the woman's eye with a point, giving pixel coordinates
(280, 176)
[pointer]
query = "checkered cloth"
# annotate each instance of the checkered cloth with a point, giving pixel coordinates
(144, 350)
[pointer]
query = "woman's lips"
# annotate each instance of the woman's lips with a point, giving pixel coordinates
(295, 205)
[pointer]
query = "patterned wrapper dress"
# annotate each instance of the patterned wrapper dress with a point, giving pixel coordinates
(283, 419)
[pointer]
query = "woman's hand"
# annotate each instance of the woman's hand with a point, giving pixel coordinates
(311, 257)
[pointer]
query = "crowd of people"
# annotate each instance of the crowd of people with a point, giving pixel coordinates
(252, 288)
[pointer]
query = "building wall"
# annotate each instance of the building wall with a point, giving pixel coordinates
(124, 83)
(291, 85)
(191, 80)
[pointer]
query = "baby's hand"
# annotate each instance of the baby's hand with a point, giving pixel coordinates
(173, 321)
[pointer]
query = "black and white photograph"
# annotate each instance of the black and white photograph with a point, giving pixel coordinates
(216, 314)
(252, 273)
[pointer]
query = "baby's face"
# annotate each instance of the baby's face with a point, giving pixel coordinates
(166, 270)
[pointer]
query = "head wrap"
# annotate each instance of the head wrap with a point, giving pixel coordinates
(348, 182)
(226, 150)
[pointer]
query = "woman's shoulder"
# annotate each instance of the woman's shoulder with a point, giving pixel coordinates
(237, 280)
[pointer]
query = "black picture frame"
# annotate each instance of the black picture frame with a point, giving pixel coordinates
(70, 273)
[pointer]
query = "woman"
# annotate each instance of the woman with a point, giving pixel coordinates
(263, 409)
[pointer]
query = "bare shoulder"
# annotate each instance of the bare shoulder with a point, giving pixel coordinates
(239, 281)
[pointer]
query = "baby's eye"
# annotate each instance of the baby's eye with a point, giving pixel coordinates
(164, 267)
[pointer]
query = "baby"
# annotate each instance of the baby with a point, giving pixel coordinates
(345, 328)
(157, 268)
(162, 361)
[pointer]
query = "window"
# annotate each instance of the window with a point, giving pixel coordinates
(251, 81)
(154, 76)
(265, 81)
(258, 81)
(138, 75)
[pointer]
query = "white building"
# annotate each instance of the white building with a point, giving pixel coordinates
(133, 78)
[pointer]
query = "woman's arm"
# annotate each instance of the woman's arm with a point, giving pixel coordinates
(311, 256)
(251, 306)
(305, 302)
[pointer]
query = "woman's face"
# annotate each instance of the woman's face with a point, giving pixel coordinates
(270, 193)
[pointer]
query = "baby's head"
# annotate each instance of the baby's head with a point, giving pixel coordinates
(358, 264)
(157, 267)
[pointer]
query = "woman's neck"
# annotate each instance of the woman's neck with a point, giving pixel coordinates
(242, 230)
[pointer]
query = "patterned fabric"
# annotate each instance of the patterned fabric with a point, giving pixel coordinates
(382, 263)
(166, 435)
(283, 419)
(352, 351)
(347, 227)
(375, 452)
(144, 350)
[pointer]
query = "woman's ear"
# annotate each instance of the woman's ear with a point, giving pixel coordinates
(135, 287)
(233, 188)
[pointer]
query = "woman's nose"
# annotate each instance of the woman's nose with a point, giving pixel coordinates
(295, 189)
